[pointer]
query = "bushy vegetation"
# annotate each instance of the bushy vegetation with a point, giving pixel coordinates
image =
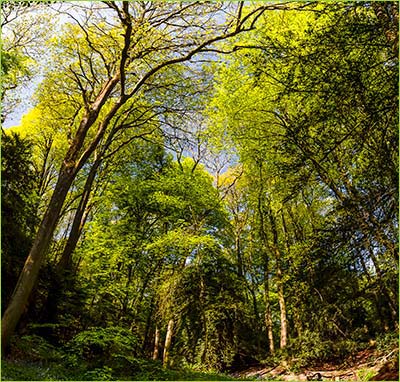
(98, 354)
(311, 350)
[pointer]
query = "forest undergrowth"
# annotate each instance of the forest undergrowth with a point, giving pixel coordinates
(35, 359)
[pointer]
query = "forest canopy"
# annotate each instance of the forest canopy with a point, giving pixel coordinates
(198, 188)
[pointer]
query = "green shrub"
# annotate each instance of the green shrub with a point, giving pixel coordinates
(387, 342)
(311, 348)
(105, 351)
(157, 373)
(99, 374)
(343, 348)
(34, 348)
(99, 346)
(365, 374)
(25, 371)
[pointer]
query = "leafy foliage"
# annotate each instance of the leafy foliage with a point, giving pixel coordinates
(102, 342)
(18, 207)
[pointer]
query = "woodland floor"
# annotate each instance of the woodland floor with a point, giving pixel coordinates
(366, 365)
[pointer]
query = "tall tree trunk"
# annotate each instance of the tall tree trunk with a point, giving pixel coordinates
(156, 343)
(297, 322)
(282, 306)
(147, 342)
(127, 293)
(80, 217)
(281, 296)
(264, 240)
(62, 282)
(239, 253)
(204, 319)
(268, 316)
(254, 300)
(168, 340)
(72, 163)
(30, 271)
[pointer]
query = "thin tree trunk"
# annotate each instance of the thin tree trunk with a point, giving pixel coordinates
(282, 307)
(127, 293)
(80, 217)
(264, 239)
(147, 343)
(61, 282)
(281, 296)
(268, 317)
(254, 301)
(156, 343)
(239, 254)
(297, 322)
(204, 319)
(168, 340)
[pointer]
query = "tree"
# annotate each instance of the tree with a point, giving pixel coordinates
(18, 205)
(24, 38)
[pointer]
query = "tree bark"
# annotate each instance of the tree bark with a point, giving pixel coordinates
(204, 319)
(156, 343)
(65, 261)
(30, 271)
(282, 307)
(168, 340)
(71, 165)
(264, 240)
(281, 296)
(268, 316)
(239, 253)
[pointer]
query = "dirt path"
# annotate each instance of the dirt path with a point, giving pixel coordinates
(282, 374)
(366, 365)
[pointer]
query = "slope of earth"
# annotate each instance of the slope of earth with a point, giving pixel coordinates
(366, 365)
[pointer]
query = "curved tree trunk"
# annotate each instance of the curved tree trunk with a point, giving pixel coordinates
(72, 163)
(30, 271)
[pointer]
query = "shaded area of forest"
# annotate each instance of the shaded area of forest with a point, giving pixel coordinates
(201, 192)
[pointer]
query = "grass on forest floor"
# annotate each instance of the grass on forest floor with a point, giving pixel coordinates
(28, 371)
(34, 359)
